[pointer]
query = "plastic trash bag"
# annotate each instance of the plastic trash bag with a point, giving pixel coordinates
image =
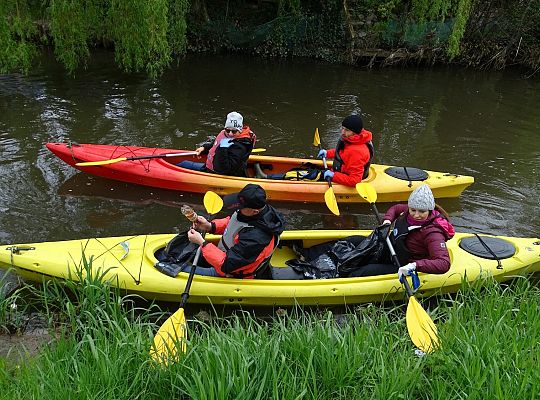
(322, 267)
(340, 258)
(372, 250)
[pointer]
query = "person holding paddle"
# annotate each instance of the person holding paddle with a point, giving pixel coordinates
(250, 235)
(419, 234)
(352, 155)
(228, 153)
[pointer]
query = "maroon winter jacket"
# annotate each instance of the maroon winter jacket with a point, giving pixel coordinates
(427, 245)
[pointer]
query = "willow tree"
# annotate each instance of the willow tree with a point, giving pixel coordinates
(145, 34)
(17, 32)
(434, 10)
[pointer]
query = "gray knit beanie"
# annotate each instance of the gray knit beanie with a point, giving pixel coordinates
(422, 198)
(234, 121)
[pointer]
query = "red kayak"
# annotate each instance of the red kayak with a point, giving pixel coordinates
(156, 167)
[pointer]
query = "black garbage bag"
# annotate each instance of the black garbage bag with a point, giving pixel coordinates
(372, 250)
(323, 260)
(322, 267)
(178, 253)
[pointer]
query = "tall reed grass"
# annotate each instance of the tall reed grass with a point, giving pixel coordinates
(490, 350)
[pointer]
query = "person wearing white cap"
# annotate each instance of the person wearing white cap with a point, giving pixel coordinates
(228, 153)
(419, 234)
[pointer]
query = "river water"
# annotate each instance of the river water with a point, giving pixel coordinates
(485, 124)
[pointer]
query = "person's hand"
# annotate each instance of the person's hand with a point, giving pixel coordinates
(328, 175)
(195, 237)
(321, 154)
(406, 270)
(199, 150)
(202, 224)
(387, 222)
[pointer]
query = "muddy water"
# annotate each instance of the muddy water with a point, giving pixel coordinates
(485, 124)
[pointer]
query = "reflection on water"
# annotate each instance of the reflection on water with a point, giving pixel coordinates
(474, 123)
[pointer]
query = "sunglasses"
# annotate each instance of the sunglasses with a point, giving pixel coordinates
(232, 130)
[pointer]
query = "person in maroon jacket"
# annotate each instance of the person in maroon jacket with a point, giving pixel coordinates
(419, 234)
(352, 155)
(421, 230)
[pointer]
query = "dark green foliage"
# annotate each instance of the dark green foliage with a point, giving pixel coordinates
(502, 33)
(460, 21)
(139, 30)
(16, 32)
(70, 31)
(177, 25)
(146, 35)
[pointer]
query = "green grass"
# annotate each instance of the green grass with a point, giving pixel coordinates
(12, 309)
(490, 350)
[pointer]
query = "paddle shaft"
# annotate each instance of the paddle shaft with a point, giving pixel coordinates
(185, 295)
(166, 155)
(213, 204)
(395, 259)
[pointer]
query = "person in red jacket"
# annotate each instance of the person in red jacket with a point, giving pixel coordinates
(352, 155)
(249, 236)
(420, 231)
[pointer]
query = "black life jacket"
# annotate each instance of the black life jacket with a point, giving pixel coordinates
(338, 161)
(228, 240)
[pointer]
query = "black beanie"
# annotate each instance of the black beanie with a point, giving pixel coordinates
(354, 123)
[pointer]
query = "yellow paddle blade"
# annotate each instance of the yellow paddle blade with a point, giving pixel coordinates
(330, 200)
(170, 337)
(102, 162)
(316, 138)
(212, 202)
(367, 191)
(258, 150)
(421, 327)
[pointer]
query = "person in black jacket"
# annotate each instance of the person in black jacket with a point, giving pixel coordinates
(249, 236)
(228, 153)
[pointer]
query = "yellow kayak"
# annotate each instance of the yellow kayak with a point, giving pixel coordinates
(128, 262)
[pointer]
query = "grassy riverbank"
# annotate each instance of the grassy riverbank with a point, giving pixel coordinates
(100, 342)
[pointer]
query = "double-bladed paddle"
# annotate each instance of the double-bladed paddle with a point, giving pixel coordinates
(173, 332)
(329, 195)
(165, 155)
(420, 326)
